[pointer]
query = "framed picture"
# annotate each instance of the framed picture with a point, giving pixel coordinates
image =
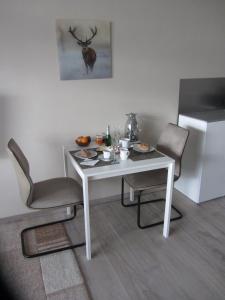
(84, 49)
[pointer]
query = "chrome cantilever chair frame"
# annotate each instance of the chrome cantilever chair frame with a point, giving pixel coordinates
(23, 242)
(139, 203)
(162, 148)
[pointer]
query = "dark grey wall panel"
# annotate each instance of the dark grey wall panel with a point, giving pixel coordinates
(201, 94)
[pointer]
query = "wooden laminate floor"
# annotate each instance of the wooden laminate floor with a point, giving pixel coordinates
(133, 264)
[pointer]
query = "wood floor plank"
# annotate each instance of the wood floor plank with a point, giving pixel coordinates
(188, 265)
(174, 264)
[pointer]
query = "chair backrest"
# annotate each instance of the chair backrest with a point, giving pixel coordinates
(172, 142)
(22, 169)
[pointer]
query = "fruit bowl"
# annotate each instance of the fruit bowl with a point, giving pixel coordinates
(83, 140)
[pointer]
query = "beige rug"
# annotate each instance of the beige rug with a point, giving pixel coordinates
(61, 275)
(51, 237)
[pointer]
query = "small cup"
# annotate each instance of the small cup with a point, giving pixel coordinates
(106, 154)
(124, 153)
(125, 142)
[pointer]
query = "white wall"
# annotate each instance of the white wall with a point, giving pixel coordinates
(155, 43)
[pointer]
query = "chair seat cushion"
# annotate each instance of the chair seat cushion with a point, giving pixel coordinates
(154, 180)
(56, 192)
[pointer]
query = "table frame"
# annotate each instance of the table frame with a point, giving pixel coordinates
(124, 168)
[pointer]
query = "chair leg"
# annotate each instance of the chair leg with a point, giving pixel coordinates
(27, 255)
(122, 196)
(139, 204)
(155, 223)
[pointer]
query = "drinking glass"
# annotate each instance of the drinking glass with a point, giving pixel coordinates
(116, 135)
(99, 139)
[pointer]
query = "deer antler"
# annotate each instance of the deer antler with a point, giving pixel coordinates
(72, 31)
(94, 32)
(80, 42)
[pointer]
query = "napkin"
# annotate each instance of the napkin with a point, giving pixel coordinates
(90, 163)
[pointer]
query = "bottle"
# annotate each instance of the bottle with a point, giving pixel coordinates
(108, 139)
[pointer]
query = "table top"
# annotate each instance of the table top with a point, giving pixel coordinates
(128, 166)
(134, 155)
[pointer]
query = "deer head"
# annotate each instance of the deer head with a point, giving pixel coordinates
(83, 44)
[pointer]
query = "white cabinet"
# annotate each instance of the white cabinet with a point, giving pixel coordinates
(203, 164)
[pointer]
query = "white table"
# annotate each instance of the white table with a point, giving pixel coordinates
(123, 168)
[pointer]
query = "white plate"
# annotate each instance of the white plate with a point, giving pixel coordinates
(101, 157)
(143, 151)
(101, 148)
(92, 154)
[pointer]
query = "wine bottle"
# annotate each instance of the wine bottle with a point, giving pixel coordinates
(108, 139)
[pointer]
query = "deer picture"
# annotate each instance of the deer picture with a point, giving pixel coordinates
(89, 54)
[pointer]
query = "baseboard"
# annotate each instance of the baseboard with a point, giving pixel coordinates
(43, 212)
(108, 199)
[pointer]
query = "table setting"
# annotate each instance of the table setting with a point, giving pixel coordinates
(98, 156)
(107, 149)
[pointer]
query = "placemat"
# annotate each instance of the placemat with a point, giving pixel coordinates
(134, 155)
(101, 163)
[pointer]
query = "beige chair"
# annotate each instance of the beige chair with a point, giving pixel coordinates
(47, 194)
(172, 143)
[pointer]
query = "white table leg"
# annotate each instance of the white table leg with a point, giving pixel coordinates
(65, 167)
(169, 195)
(131, 194)
(87, 218)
